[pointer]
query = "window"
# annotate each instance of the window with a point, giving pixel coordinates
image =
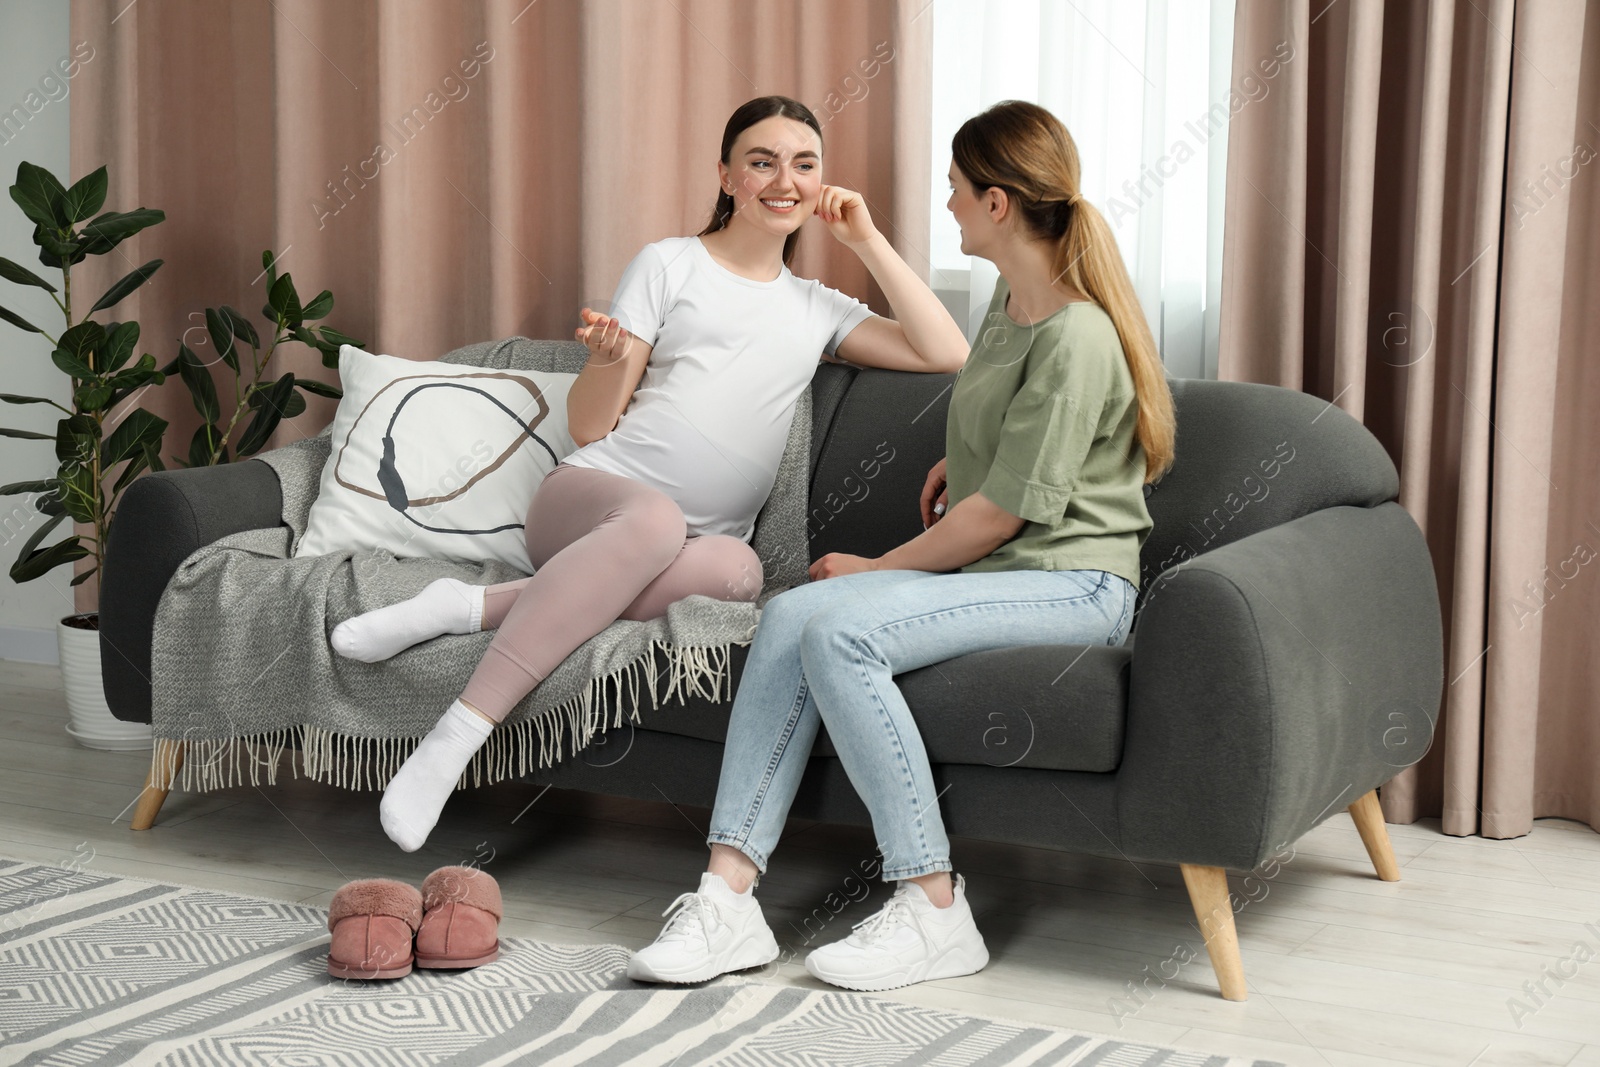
(1143, 87)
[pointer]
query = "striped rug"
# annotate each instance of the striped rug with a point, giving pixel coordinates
(98, 969)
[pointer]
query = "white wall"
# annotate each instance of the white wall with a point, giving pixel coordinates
(34, 106)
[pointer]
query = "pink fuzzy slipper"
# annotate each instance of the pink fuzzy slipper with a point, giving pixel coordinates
(460, 921)
(372, 922)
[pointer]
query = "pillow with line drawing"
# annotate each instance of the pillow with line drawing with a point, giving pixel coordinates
(436, 460)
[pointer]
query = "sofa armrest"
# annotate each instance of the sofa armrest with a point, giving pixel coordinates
(161, 519)
(1275, 680)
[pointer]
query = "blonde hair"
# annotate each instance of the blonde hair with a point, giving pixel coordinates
(1027, 151)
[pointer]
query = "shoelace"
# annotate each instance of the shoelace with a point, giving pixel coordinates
(874, 927)
(692, 911)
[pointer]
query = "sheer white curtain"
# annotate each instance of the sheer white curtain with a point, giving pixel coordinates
(1143, 86)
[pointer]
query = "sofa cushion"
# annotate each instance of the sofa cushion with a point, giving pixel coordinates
(1052, 707)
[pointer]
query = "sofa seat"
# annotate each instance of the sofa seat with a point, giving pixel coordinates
(1051, 707)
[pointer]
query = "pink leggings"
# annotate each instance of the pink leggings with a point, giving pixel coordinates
(604, 547)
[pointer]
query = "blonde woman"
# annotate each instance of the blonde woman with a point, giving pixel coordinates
(1035, 519)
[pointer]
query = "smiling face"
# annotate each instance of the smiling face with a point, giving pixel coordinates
(777, 160)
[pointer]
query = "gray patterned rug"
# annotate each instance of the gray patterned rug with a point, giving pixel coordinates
(98, 969)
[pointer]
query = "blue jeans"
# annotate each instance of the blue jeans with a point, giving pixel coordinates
(828, 651)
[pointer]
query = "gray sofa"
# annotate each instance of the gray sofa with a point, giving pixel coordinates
(1286, 657)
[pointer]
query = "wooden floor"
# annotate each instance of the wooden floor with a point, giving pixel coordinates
(1343, 969)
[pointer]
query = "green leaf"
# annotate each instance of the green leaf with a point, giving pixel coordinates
(294, 405)
(77, 493)
(39, 564)
(120, 339)
(136, 463)
(85, 576)
(201, 387)
(127, 284)
(319, 306)
(311, 385)
(71, 364)
(271, 412)
(130, 380)
(135, 434)
(44, 486)
(41, 533)
(241, 327)
(27, 435)
(285, 302)
(114, 227)
(41, 196)
(18, 321)
(56, 248)
(137, 374)
(13, 398)
(204, 440)
(82, 345)
(16, 272)
(269, 263)
(336, 338)
(93, 397)
(85, 197)
(49, 504)
(221, 331)
(77, 439)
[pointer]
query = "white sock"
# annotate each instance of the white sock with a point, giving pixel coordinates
(416, 794)
(446, 606)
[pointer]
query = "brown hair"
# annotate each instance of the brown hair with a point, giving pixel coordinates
(1027, 151)
(748, 114)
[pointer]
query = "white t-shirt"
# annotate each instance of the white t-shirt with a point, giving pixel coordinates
(709, 420)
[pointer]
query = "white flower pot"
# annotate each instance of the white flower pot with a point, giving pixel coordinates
(90, 722)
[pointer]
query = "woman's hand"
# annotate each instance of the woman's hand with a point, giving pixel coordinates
(934, 493)
(607, 340)
(836, 563)
(845, 213)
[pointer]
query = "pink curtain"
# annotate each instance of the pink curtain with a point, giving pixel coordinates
(1413, 232)
(460, 171)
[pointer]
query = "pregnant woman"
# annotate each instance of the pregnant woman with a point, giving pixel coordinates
(1059, 417)
(682, 413)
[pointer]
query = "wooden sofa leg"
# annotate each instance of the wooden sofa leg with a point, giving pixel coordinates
(1368, 816)
(150, 801)
(1208, 892)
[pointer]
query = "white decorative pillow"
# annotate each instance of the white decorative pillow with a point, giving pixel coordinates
(454, 476)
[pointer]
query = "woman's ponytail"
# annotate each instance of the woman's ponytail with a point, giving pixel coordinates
(1025, 150)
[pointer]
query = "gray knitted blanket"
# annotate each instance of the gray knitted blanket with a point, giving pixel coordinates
(243, 667)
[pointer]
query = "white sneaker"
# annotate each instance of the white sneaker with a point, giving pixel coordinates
(714, 931)
(909, 941)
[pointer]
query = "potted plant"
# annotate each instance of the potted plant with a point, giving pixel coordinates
(97, 358)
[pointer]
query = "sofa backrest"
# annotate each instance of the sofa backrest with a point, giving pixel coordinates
(1249, 457)
(875, 434)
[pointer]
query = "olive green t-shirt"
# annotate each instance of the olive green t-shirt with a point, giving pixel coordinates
(1042, 422)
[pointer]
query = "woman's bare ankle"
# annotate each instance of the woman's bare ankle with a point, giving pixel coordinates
(733, 867)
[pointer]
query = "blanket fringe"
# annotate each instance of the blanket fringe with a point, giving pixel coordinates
(354, 762)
